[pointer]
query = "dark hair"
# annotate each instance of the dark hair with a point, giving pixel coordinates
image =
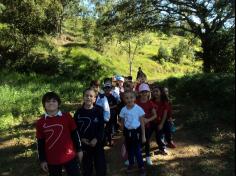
(107, 80)
(49, 96)
(164, 97)
(94, 83)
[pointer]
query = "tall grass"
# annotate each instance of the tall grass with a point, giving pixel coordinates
(21, 95)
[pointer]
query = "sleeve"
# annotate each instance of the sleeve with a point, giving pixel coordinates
(106, 110)
(39, 131)
(76, 140)
(100, 126)
(41, 150)
(141, 112)
(40, 143)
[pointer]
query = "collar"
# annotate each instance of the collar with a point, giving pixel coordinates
(59, 114)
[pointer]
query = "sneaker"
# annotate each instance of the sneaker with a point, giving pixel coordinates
(126, 163)
(163, 152)
(149, 161)
(171, 145)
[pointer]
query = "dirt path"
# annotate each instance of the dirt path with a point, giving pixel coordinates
(18, 156)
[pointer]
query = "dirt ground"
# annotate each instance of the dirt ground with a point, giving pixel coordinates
(192, 157)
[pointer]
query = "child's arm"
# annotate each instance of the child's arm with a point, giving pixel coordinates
(142, 121)
(100, 130)
(77, 143)
(160, 127)
(41, 147)
(154, 116)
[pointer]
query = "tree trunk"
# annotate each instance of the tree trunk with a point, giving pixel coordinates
(130, 60)
(207, 54)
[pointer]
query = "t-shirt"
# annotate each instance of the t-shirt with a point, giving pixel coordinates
(132, 116)
(56, 131)
(90, 123)
(147, 107)
(161, 107)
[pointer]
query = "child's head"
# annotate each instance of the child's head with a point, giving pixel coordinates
(166, 90)
(156, 92)
(51, 102)
(95, 85)
(120, 80)
(159, 93)
(107, 88)
(128, 86)
(144, 92)
(130, 98)
(89, 96)
(142, 78)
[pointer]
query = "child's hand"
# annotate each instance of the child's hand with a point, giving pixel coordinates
(160, 127)
(146, 121)
(80, 156)
(85, 141)
(44, 166)
(94, 142)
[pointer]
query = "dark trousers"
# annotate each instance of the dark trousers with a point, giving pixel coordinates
(110, 126)
(165, 133)
(133, 142)
(153, 127)
(94, 157)
(71, 167)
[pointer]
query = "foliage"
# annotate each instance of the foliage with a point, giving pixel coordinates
(204, 19)
(211, 96)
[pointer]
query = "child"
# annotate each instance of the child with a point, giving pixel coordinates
(134, 130)
(90, 123)
(160, 101)
(128, 87)
(142, 79)
(113, 109)
(169, 124)
(150, 116)
(101, 100)
(58, 139)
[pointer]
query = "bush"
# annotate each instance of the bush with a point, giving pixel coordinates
(212, 95)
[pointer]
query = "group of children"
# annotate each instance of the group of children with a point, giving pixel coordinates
(66, 142)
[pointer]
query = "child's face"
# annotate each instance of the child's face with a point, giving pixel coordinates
(96, 88)
(107, 90)
(143, 79)
(121, 83)
(51, 105)
(166, 91)
(130, 99)
(128, 87)
(156, 93)
(89, 98)
(144, 95)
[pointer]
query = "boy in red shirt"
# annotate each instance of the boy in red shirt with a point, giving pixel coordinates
(58, 139)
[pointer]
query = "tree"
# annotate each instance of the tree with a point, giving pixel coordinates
(203, 18)
(131, 44)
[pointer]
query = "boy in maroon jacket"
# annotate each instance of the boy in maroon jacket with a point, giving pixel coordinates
(58, 139)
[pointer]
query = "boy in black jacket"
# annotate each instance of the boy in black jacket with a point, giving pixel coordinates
(90, 123)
